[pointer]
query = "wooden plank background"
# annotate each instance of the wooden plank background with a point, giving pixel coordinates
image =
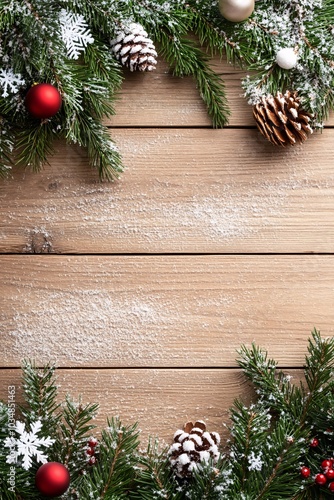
(143, 290)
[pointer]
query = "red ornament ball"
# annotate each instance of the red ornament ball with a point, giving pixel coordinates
(52, 479)
(92, 461)
(326, 464)
(330, 474)
(320, 479)
(43, 100)
(305, 472)
(331, 487)
(92, 442)
(90, 451)
(314, 443)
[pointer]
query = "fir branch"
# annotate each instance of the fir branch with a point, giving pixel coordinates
(207, 483)
(280, 479)
(319, 363)
(88, 85)
(74, 430)
(249, 431)
(102, 65)
(112, 476)
(186, 59)
(40, 395)
(154, 475)
(102, 152)
(7, 141)
(118, 451)
(318, 374)
(169, 30)
(273, 387)
(210, 27)
(34, 144)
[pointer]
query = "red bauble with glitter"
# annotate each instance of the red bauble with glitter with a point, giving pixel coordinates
(305, 472)
(52, 479)
(92, 442)
(314, 443)
(320, 479)
(43, 100)
(326, 464)
(330, 474)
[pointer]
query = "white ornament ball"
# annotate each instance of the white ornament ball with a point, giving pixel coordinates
(286, 58)
(236, 10)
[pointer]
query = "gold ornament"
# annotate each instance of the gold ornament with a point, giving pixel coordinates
(236, 10)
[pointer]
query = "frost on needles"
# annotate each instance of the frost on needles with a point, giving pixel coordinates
(288, 428)
(68, 44)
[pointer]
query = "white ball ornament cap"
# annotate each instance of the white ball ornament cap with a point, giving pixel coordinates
(236, 11)
(287, 58)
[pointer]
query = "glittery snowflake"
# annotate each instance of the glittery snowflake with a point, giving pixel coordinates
(27, 445)
(255, 462)
(74, 32)
(10, 82)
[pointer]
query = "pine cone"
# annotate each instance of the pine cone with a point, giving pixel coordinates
(192, 446)
(281, 120)
(134, 49)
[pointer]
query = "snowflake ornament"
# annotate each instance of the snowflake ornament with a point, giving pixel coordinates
(255, 462)
(27, 444)
(10, 82)
(74, 32)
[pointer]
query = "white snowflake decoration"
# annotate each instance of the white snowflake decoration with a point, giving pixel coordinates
(255, 462)
(74, 32)
(27, 445)
(10, 82)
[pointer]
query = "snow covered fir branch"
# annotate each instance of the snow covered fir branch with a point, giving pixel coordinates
(61, 67)
(278, 447)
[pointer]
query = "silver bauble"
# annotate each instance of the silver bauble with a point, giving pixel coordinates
(236, 11)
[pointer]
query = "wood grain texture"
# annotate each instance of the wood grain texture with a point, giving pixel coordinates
(159, 333)
(158, 99)
(162, 311)
(160, 400)
(193, 191)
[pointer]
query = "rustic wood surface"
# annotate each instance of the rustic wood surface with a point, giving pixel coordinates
(147, 287)
(160, 400)
(161, 311)
(184, 190)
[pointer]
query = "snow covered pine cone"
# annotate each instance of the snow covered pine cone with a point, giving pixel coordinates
(134, 49)
(192, 446)
(281, 119)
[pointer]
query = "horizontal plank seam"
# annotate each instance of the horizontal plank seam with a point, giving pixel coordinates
(170, 254)
(183, 127)
(190, 127)
(142, 368)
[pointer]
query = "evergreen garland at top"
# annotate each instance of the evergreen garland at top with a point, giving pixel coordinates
(281, 446)
(79, 46)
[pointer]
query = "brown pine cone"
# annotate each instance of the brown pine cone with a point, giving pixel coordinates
(192, 446)
(134, 49)
(281, 119)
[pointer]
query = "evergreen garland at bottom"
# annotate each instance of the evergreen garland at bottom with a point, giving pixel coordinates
(280, 447)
